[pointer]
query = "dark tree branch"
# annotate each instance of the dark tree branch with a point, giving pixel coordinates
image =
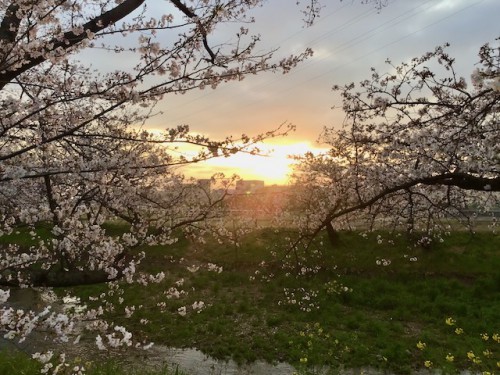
(10, 24)
(460, 180)
(184, 9)
(62, 278)
(70, 39)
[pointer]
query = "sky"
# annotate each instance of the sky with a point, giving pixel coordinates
(348, 39)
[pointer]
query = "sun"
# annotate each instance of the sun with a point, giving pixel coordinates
(272, 169)
(274, 166)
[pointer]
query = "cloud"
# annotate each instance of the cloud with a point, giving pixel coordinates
(348, 38)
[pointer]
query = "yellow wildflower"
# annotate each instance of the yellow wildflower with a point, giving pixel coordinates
(485, 336)
(459, 331)
(421, 345)
(303, 360)
(476, 361)
(498, 364)
(471, 355)
(450, 321)
(487, 353)
(450, 358)
(496, 337)
(428, 364)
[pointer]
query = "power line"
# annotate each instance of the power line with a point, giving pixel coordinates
(314, 41)
(278, 44)
(349, 44)
(393, 42)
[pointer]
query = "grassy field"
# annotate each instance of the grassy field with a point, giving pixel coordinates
(16, 363)
(372, 300)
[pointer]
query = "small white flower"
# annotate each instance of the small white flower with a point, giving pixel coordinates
(99, 343)
(4, 295)
(181, 311)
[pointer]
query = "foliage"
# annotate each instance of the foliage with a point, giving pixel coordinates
(366, 311)
(75, 155)
(419, 147)
(18, 363)
(74, 151)
(86, 192)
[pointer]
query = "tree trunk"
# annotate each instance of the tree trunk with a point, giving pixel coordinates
(333, 235)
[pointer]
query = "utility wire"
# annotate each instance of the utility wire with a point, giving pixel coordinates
(343, 47)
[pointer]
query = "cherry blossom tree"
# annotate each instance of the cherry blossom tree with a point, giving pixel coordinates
(68, 148)
(419, 146)
(74, 155)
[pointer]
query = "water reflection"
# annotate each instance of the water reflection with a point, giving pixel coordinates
(190, 361)
(194, 362)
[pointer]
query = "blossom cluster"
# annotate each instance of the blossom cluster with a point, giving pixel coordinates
(302, 298)
(336, 287)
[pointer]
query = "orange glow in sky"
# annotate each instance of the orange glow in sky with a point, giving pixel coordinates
(348, 39)
(274, 168)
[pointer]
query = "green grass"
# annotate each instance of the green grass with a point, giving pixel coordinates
(378, 324)
(19, 363)
(389, 310)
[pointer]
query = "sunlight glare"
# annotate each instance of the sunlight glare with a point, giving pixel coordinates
(274, 168)
(273, 165)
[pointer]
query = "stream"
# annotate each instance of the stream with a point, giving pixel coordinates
(191, 361)
(194, 362)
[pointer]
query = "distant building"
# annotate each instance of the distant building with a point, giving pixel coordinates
(205, 184)
(252, 199)
(248, 186)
